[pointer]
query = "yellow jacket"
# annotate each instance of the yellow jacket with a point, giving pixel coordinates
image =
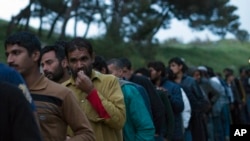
(112, 100)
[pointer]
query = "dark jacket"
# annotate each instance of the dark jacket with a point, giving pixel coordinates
(199, 105)
(169, 122)
(175, 98)
(157, 106)
(17, 122)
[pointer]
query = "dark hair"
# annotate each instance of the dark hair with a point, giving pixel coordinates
(179, 61)
(242, 69)
(78, 43)
(143, 71)
(59, 51)
(100, 63)
(210, 71)
(126, 62)
(169, 74)
(158, 66)
(61, 43)
(24, 39)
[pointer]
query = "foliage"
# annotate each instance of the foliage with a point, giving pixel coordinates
(130, 20)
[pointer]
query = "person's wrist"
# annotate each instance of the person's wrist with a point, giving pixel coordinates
(91, 91)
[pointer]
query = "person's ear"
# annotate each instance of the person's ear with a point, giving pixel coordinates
(35, 56)
(64, 63)
(159, 73)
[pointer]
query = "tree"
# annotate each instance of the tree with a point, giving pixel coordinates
(135, 20)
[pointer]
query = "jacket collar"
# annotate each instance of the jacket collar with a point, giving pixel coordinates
(40, 84)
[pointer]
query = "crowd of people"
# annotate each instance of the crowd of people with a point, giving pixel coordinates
(64, 91)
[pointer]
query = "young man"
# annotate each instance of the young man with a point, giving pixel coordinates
(199, 105)
(100, 95)
(56, 105)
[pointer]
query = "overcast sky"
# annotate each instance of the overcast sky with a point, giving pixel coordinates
(179, 29)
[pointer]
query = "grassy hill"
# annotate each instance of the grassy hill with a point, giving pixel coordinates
(221, 54)
(218, 55)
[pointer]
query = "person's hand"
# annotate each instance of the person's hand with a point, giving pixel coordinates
(83, 82)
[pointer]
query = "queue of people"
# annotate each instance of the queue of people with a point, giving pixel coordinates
(70, 93)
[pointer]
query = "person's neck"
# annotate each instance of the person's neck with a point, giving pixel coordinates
(158, 82)
(178, 77)
(65, 77)
(31, 77)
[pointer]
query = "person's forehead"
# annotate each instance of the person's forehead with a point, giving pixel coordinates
(50, 53)
(14, 46)
(78, 52)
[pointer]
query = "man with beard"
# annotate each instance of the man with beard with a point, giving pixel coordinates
(99, 95)
(54, 63)
(56, 105)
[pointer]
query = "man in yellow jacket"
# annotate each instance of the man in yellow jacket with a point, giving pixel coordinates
(99, 95)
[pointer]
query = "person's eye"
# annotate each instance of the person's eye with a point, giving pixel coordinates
(16, 52)
(72, 60)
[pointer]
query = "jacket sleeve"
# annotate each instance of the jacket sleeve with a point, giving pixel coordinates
(176, 99)
(169, 115)
(112, 102)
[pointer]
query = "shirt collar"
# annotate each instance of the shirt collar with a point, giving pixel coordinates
(41, 83)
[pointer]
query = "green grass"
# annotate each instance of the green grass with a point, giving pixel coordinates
(218, 55)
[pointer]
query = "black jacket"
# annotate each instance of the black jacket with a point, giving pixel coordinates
(17, 122)
(157, 106)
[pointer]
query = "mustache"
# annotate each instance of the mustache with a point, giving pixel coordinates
(13, 65)
(47, 73)
(80, 69)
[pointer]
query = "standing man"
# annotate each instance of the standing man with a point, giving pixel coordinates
(137, 127)
(158, 77)
(199, 105)
(157, 106)
(56, 105)
(99, 95)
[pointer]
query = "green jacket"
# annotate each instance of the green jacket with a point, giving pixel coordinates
(139, 125)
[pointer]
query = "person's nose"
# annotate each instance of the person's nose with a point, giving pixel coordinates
(44, 67)
(79, 64)
(10, 59)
